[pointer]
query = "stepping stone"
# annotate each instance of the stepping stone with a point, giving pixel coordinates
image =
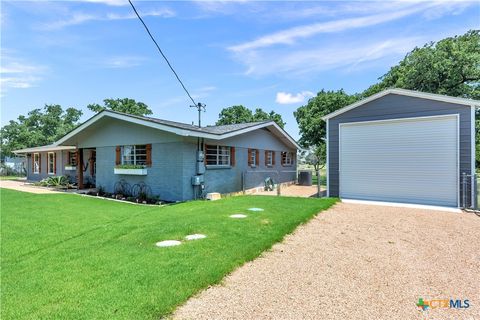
(195, 236)
(255, 209)
(238, 216)
(168, 243)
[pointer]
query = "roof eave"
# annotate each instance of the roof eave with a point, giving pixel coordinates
(404, 92)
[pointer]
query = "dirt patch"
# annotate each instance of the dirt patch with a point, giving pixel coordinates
(356, 262)
(293, 191)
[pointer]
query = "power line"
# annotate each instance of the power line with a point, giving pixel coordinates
(163, 55)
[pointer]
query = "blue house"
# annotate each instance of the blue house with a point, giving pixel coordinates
(177, 161)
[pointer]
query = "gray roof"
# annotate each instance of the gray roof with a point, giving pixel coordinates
(183, 129)
(222, 129)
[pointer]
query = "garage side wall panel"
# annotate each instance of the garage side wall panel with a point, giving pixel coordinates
(394, 106)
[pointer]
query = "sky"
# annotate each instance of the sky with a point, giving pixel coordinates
(269, 54)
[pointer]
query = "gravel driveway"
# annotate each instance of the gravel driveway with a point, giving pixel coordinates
(356, 262)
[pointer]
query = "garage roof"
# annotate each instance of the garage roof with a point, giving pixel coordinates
(404, 92)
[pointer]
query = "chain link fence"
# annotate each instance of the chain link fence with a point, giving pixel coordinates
(256, 178)
(469, 192)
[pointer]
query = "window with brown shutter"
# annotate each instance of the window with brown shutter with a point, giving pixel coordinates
(218, 156)
(148, 162)
(232, 156)
(269, 158)
(54, 163)
(253, 157)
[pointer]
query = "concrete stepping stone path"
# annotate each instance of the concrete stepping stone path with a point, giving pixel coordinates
(195, 236)
(168, 243)
(255, 209)
(238, 216)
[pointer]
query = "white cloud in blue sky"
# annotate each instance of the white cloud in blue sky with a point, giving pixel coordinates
(268, 54)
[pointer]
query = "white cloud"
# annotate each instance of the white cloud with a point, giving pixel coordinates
(350, 55)
(283, 52)
(289, 98)
(110, 2)
(79, 18)
(119, 62)
(16, 73)
(289, 36)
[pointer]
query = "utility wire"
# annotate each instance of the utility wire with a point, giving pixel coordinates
(161, 52)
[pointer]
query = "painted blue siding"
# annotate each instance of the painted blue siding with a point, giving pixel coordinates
(174, 159)
(393, 106)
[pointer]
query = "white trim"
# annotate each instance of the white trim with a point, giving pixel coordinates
(177, 131)
(48, 163)
(473, 148)
(458, 160)
(43, 149)
(404, 92)
(456, 115)
(33, 160)
(402, 205)
(328, 162)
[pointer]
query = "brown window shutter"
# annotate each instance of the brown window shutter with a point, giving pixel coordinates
(266, 157)
(33, 162)
(39, 163)
(117, 156)
(232, 156)
(282, 158)
(273, 158)
(257, 157)
(249, 159)
(54, 163)
(149, 155)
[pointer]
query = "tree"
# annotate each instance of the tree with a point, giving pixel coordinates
(309, 117)
(241, 114)
(38, 128)
(317, 157)
(450, 66)
(124, 105)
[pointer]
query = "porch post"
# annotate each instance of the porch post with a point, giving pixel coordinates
(80, 168)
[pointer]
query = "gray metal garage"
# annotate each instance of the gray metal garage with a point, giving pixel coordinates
(402, 146)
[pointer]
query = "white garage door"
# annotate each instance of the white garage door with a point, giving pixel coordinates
(411, 160)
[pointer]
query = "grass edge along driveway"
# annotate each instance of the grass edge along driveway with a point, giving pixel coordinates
(72, 257)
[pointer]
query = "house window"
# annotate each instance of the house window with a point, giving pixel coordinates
(217, 155)
(269, 158)
(51, 163)
(287, 158)
(134, 155)
(72, 158)
(253, 157)
(36, 163)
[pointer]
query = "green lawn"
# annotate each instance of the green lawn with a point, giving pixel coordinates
(71, 257)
